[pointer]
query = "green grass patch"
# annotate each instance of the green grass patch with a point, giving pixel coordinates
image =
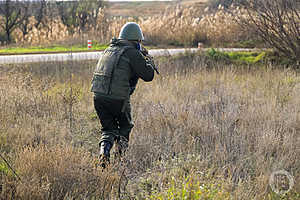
(192, 189)
(3, 168)
(246, 57)
(237, 57)
(51, 49)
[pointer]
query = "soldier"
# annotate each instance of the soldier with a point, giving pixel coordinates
(114, 80)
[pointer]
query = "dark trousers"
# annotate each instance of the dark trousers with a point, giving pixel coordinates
(115, 118)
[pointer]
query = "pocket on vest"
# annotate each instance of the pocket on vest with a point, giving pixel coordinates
(100, 84)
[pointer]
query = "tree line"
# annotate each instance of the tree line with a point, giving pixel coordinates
(276, 22)
(18, 14)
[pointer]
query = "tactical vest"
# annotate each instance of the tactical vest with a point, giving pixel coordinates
(113, 73)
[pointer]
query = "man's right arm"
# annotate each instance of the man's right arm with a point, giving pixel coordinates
(139, 65)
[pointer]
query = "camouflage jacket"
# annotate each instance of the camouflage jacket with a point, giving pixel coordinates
(118, 70)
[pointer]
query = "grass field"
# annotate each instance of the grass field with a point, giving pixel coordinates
(50, 49)
(212, 125)
(204, 129)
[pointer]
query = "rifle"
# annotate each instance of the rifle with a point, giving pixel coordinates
(149, 58)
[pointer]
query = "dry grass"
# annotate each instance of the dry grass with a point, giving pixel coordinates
(228, 127)
(178, 25)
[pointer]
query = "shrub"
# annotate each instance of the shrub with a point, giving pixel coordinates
(276, 22)
(58, 173)
(217, 55)
(69, 93)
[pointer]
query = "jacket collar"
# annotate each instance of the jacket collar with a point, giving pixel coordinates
(123, 42)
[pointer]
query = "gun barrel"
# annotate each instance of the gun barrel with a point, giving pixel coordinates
(146, 54)
(155, 68)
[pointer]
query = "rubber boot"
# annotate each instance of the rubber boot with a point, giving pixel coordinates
(121, 147)
(104, 153)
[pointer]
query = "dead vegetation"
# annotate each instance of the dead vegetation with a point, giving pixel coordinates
(178, 25)
(202, 128)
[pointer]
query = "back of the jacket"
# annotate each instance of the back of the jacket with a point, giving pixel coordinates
(118, 69)
(112, 73)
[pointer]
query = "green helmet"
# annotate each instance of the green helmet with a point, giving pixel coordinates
(131, 31)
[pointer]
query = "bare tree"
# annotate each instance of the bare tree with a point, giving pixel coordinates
(11, 15)
(50, 13)
(67, 11)
(24, 25)
(39, 12)
(28, 10)
(88, 12)
(79, 14)
(277, 22)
